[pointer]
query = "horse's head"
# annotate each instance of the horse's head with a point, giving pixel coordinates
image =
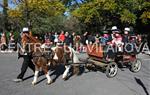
(62, 54)
(28, 42)
(24, 41)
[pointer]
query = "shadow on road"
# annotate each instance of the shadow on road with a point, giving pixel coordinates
(58, 71)
(141, 84)
(28, 77)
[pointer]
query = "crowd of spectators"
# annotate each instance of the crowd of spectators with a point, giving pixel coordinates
(78, 42)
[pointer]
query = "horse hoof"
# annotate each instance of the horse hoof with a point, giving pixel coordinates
(33, 83)
(48, 83)
(65, 78)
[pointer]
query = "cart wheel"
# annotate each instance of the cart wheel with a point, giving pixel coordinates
(111, 70)
(136, 65)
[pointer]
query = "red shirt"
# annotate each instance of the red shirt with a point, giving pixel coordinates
(62, 37)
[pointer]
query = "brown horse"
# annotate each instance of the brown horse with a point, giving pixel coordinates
(62, 54)
(54, 56)
(40, 58)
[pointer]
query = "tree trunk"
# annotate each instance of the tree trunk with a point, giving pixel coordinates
(5, 15)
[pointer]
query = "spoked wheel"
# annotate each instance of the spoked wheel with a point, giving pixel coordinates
(111, 70)
(136, 65)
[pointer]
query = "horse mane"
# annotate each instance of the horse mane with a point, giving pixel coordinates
(31, 38)
(34, 40)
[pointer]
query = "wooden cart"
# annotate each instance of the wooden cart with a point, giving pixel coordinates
(97, 58)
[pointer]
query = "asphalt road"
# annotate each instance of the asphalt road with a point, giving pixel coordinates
(91, 83)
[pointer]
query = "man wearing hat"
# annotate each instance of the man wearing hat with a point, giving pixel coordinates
(105, 38)
(27, 60)
(114, 29)
(126, 35)
(117, 40)
(126, 30)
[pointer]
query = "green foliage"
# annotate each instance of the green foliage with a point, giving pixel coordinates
(99, 13)
(16, 35)
(90, 15)
(99, 9)
(145, 17)
(48, 24)
(128, 17)
(72, 24)
(43, 15)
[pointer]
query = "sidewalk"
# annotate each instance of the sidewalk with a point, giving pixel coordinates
(7, 51)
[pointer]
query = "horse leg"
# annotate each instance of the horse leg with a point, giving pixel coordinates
(49, 80)
(35, 76)
(65, 74)
(49, 63)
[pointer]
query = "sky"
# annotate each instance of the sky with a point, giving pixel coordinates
(10, 4)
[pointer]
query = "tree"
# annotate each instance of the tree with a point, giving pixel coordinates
(5, 20)
(145, 16)
(99, 14)
(96, 13)
(81, 15)
(72, 24)
(37, 13)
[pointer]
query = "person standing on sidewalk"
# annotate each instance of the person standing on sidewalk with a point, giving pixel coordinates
(3, 44)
